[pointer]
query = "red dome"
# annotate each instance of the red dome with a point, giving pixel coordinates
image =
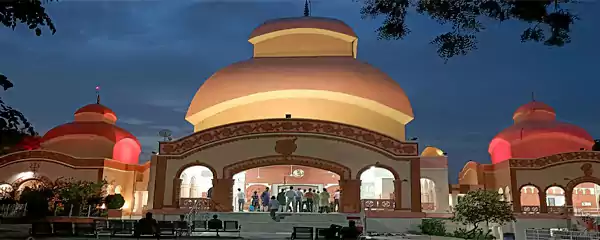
(536, 133)
(95, 108)
(102, 129)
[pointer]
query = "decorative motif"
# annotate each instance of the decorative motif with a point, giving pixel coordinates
(286, 147)
(530, 209)
(34, 166)
(298, 173)
(378, 204)
(587, 169)
(554, 159)
(230, 170)
(345, 132)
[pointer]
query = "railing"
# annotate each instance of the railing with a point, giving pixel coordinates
(197, 204)
(428, 206)
(547, 234)
(530, 209)
(13, 210)
(378, 204)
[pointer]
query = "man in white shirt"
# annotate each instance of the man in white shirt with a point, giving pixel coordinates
(241, 196)
(336, 200)
(299, 197)
(290, 196)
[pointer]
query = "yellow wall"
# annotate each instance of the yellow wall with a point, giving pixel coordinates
(303, 45)
(311, 109)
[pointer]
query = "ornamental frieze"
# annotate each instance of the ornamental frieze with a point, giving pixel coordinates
(554, 159)
(289, 126)
(50, 155)
(341, 170)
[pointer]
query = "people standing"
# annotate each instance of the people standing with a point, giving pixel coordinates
(309, 200)
(298, 200)
(281, 200)
(273, 207)
(254, 202)
(290, 196)
(336, 201)
(265, 196)
(241, 199)
(317, 201)
(324, 197)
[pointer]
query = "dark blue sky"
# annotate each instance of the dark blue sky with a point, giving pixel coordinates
(150, 58)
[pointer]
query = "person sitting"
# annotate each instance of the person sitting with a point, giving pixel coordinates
(215, 223)
(350, 232)
(332, 232)
(182, 226)
(147, 226)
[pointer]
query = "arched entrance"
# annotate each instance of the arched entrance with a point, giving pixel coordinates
(279, 179)
(428, 195)
(379, 188)
(224, 193)
(530, 199)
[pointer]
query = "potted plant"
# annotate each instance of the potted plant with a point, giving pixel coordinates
(114, 203)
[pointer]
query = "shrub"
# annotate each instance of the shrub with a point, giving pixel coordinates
(433, 227)
(114, 201)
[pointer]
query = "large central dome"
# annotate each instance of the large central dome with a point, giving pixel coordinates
(305, 67)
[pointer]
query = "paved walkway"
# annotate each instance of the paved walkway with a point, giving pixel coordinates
(21, 231)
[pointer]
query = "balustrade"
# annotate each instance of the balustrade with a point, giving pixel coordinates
(427, 206)
(378, 204)
(198, 204)
(530, 209)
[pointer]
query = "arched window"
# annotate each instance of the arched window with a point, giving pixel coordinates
(428, 195)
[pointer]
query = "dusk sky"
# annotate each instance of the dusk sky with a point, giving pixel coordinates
(150, 57)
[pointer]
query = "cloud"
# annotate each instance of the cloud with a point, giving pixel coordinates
(133, 121)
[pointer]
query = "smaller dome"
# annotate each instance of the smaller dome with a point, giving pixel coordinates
(95, 108)
(330, 24)
(534, 110)
(432, 152)
(94, 113)
(536, 133)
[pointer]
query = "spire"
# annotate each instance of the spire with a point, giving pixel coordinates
(306, 9)
(97, 94)
(533, 96)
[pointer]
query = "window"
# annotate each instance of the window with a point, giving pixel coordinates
(586, 204)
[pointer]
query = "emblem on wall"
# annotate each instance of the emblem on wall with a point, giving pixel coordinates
(587, 169)
(286, 147)
(298, 173)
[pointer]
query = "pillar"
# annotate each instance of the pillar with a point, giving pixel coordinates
(543, 204)
(350, 196)
(176, 191)
(222, 195)
(398, 194)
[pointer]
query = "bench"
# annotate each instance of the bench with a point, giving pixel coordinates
(166, 228)
(303, 233)
(41, 229)
(227, 226)
(321, 233)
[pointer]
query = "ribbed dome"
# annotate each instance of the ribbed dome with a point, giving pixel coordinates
(536, 133)
(93, 134)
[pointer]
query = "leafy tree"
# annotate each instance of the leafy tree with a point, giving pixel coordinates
(481, 206)
(550, 21)
(433, 227)
(15, 129)
(114, 201)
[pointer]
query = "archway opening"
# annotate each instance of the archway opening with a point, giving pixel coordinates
(29, 184)
(428, 196)
(585, 198)
(377, 188)
(279, 179)
(530, 199)
(195, 187)
(555, 199)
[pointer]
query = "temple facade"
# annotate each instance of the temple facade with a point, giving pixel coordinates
(304, 112)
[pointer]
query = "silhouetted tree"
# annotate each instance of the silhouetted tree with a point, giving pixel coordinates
(14, 127)
(550, 20)
(596, 146)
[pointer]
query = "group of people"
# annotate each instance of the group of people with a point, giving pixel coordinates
(290, 200)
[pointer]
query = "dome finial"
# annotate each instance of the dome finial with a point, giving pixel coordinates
(307, 6)
(97, 94)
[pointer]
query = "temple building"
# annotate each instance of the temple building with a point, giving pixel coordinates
(304, 112)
